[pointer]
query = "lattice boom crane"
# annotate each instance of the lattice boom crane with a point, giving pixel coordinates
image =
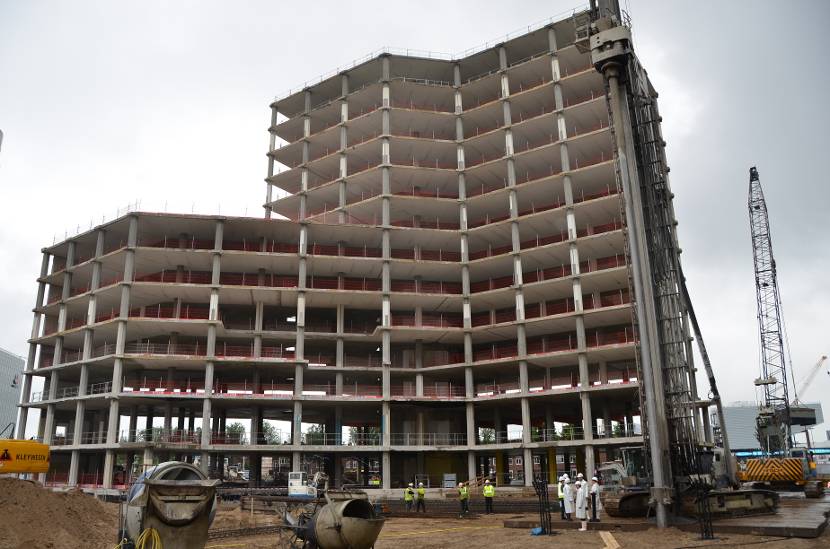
(773, 417)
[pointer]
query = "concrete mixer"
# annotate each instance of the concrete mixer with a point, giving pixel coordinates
(173, 499)
(347, 521)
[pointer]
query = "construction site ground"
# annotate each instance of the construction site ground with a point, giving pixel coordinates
(795, 516)
(35, 517)
(488, 531)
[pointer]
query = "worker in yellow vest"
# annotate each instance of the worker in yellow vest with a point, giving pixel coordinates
(489, 493)
(408, 496)
(464, 498)
(419, 498)
(561, 494)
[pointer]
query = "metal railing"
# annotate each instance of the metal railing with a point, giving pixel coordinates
(550, 435)
(436, 391)
(428, 439)
(182, 437)
(336, 439)
(620, 430)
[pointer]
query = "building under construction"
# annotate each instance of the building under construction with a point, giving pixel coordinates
(442, 284)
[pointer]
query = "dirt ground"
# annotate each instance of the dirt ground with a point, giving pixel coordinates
(34, 517)
(486, 532)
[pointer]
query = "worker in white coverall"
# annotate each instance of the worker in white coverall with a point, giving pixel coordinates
(569, 499)
(582, 504)
(596, 504)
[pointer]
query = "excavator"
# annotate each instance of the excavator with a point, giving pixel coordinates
(22, 456)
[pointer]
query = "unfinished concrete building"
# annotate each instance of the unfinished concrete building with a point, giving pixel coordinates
(449, 294)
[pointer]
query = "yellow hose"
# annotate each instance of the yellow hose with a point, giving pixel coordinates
(148, 539)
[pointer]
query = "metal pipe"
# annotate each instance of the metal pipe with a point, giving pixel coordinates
(611, 72)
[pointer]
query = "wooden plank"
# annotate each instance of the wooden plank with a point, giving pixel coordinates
(608, 538)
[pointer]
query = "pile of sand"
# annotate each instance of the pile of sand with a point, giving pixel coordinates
(33, 516)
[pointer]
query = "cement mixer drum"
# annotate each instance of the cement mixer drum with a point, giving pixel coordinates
(342, 524)
(175, 499)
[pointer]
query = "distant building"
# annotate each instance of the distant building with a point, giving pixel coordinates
(11, 367)
(740, 424)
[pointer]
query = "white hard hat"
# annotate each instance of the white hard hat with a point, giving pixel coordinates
(567, 480)
(460, 484)
(421, 484)
(565, 475)
(595, 479)
(579, 475)
(411, 484)
(487, 481)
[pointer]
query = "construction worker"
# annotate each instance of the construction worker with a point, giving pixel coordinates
(463, 498)
(596, 504)
(408, 496)
(489, 492)
(569, 499)
(419, 498)
(561, 494)
(582, 504)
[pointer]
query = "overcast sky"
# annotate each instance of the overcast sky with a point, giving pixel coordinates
(105, 103)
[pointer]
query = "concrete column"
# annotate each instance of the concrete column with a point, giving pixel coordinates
(338, 425)
(603, 372)
(297, 424)
(386, 470)
(606, 420)
(344, 143)
(132, 426)
(299, 344)
(26, 388)
(204, 462)
(168, 416)
(419, 363)
(339, 352)
(386, 423)
(528, 466)
(120, 344)
(549, 423)
(471, 424)
(271, 147)
(526, 423)
(386, 284)
(471, 465)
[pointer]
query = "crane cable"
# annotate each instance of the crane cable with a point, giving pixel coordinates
(787, 344)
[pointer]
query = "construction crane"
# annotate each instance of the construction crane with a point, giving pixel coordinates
(777, 415)
(810, 377)
(774, 416)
